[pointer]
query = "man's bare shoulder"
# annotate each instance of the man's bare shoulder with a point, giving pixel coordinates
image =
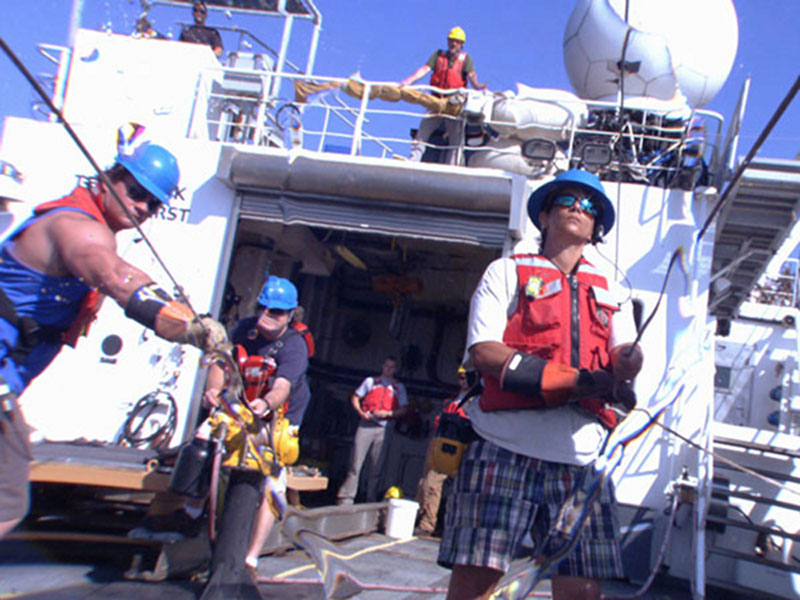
(74, 226)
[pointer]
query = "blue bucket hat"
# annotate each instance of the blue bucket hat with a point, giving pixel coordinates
(589, 182)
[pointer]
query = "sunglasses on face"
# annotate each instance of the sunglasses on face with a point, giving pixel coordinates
(139, 194)
(585, 204)
(275, 312)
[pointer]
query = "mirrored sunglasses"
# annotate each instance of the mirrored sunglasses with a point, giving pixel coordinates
(567, 200)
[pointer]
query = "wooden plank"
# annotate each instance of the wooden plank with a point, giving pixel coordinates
(304, 483)
(103, 476)
(133, 478)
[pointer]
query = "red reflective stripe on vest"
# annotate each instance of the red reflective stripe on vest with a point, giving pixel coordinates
(446, 76)
(380, 397)
(544, 324)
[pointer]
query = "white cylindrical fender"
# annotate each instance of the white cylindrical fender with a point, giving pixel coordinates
(528, 118)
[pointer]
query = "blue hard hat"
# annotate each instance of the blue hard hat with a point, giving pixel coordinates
(278, 293)
(588, 182)
(155, 168)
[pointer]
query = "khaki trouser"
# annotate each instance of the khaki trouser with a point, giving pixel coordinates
(369, 443)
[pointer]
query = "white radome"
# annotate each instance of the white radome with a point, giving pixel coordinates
(685, 46)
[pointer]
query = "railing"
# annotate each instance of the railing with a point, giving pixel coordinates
(250, 103)
(647, 145)
(55, 83)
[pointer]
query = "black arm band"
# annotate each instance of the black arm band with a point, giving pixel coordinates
(145, 303)
(522, 374)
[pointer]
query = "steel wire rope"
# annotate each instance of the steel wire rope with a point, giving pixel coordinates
(715, 456)
(101, 174)
(104, 178)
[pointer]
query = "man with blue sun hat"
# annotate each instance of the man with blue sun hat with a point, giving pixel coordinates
(551, 341)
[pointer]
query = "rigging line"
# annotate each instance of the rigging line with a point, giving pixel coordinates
(750, 155)
(675, 255)
(103, 177)
(727, 461)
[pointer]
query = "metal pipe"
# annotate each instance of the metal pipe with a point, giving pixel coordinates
(74, 21)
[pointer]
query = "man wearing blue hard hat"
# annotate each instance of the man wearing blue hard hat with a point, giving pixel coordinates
(554, 347)
(55, 269)
(274, 332)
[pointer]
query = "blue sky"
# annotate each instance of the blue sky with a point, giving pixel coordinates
(515, 40)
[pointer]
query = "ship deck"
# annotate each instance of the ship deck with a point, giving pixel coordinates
(387, 569)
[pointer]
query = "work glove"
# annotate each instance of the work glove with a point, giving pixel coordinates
(205, 333)
(552, 383)
(623, 394)
(596, 384)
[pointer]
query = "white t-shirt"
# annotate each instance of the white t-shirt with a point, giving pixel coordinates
(371, 383)
(559, 434)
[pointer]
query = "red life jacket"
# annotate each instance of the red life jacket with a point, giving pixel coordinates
(546, 324)
(257, 372)
(84, 200)
(303, 330)
(446, 76)
(381, 397)
(451, 406)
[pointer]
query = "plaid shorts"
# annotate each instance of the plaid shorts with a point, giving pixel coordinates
(499, 496)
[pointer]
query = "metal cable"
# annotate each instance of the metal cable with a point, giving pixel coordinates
(750, 155)
(103, 177)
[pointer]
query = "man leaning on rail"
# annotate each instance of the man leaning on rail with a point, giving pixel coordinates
(552, 344)
(55, 269)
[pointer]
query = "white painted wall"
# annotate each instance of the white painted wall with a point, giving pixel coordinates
(86, 393)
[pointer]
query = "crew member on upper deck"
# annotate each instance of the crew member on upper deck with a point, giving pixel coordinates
(451, 68)
(200, 33)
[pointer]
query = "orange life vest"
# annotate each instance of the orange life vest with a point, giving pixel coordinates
(381, 397)
(447, 76)
(562, 319)
(303, 330)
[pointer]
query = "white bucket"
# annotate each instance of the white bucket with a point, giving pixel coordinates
(400, 518)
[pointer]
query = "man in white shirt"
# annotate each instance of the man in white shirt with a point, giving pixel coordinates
(377, 401)
(554, 349)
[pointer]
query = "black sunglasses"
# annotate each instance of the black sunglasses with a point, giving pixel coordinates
(275, 312)
(138, 194)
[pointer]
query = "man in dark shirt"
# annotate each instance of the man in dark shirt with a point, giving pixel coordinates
(199, 33)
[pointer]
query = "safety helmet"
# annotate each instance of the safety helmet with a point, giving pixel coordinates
(155, 168)
(393, 492)
(461, 370)
(278, 293)
(456, 33)
(589, 182)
